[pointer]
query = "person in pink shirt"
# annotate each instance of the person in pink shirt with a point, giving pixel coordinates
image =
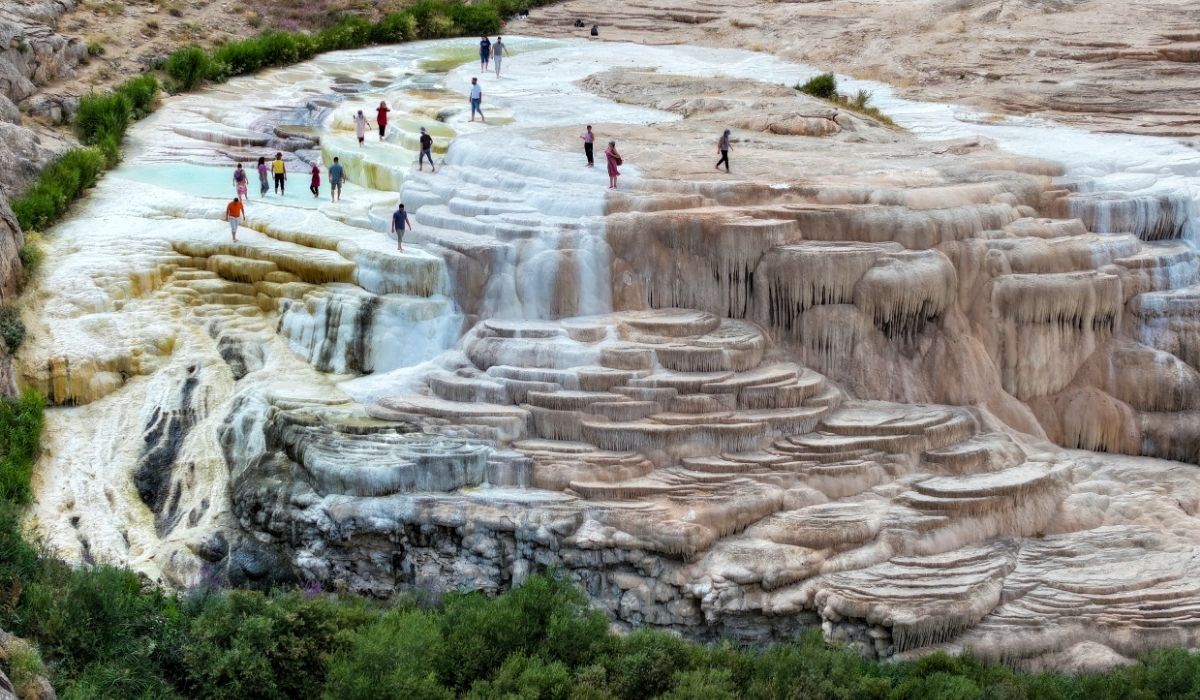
(614, 159)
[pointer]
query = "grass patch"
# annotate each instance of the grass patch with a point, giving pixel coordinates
(824, 86)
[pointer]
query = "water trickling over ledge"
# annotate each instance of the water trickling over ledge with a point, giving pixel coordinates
(832, 388)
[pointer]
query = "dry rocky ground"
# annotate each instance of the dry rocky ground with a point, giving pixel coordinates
(1109, 65)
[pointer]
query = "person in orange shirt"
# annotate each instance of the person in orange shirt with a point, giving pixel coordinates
(233, 214)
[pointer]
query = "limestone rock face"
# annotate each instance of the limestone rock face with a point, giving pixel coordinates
(842, 386)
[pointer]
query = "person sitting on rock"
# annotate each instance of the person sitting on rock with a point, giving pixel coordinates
(399, 221)
(579, 23)
(595, 30)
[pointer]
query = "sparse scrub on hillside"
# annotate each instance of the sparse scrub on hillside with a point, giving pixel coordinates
(824, 86)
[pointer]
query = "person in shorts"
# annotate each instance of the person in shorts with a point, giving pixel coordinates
(399, 221)
(233, 214)
(336, 175)
(240, 182)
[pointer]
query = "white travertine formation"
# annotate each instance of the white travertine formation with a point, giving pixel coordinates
(840, 386)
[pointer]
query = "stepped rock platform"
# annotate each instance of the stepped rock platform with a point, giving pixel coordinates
(917, 393)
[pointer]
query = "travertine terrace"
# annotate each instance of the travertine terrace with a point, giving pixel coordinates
(848, 385)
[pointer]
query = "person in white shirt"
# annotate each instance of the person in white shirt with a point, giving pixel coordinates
(476, 99)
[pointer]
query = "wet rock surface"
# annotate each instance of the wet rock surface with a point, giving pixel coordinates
(840, 387)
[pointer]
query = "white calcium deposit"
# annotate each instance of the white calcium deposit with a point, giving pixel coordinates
(832, 388)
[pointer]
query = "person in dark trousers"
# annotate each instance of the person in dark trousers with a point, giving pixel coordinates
(595, 30)
(723, 149)
(280, 171)
(381, 116)
(589, 140)
(426, 152)
(399, 221)
(314, 184)
(485, 52)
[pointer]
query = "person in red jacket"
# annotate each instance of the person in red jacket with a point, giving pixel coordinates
(315, 185)
(381, 113)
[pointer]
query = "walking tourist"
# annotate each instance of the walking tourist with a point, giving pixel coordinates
(399, 221)
(614, 159)
(426, 152)
(723, 149)
(485, 52)
(588, 142)
(239, 182)
(498, 51)
(336, 175)
(315, 185)
(381, 113)
(360, 126)
(264, 184)
(476, 99)
(280, 171)
(234, 212)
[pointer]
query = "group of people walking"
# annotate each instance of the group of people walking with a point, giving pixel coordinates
(491, 51)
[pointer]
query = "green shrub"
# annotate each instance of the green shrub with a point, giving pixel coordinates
(142, 92)
(522, 676)
(188, 66)
(703, 684)
(395, 28)
(12, 329)
(546, 616)
(101, 115)
(646, 663)
(32, 256)
(351, 32)
(21, 425)
(391, 659)
(246, 644)
(474, 19)
(823, 86)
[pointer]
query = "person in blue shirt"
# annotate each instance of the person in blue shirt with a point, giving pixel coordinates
(336, 174)
(485, 52)
(399, 221)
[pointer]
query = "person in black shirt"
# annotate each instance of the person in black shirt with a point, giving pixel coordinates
(426, 152)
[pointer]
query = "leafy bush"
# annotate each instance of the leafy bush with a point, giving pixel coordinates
(351, 32)
(392, 659)
(188, 66)
(142, 92)
(12, 329)
(57, 186)
(474, 19)
(245, 644)
(21, 422)
(395, 28)
(823, 86)
(100, 115)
